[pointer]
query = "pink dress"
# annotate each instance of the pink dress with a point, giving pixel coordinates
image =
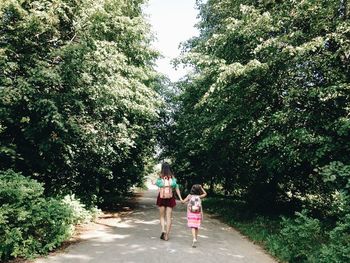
(194, 218)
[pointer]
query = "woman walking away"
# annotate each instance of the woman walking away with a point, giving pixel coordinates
(194, 210)
(166, 199)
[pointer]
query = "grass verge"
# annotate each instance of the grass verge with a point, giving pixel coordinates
(260, 229)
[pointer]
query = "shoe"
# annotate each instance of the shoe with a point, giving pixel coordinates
(162, 235)
(194, 243)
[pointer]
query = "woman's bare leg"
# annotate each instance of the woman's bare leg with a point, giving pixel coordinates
(162, 218)
(169, 212)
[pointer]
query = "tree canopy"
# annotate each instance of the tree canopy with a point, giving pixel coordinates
(266, 108)
(78, 94)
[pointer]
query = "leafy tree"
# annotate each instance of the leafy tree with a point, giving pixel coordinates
(268, 101)
(78, 100)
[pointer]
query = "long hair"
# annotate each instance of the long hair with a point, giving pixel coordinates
(166, 170)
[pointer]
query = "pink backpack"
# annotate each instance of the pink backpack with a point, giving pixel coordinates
(166, 192)
(195, 204)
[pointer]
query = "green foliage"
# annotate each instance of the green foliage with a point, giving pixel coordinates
(262, 229)
(79, 212)
(338, 249)
(78, 100)
(299, 240)
(29, 223)
(338, 174)
(267, 104)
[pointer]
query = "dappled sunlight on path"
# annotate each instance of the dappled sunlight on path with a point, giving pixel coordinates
(135, 238)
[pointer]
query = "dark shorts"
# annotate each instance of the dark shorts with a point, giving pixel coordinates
(166, 202)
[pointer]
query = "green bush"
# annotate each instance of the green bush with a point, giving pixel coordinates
(338, 248)
(80, 213)
(29, 223)
(299, 240)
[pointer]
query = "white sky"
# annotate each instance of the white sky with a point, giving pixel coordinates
(172, 23)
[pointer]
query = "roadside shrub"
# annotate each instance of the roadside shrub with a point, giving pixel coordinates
(299, 240)
(338, 248)
(29, 223)
(80, 213)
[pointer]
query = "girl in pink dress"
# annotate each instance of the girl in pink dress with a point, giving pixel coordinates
(194, 210)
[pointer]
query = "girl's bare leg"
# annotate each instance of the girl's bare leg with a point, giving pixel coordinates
(193, 233)
(169, 212)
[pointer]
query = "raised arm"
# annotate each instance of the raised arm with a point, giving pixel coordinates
(204, 193)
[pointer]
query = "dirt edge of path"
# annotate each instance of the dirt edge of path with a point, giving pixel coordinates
(215, 216)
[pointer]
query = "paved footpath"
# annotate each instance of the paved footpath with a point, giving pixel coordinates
(135, 239)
